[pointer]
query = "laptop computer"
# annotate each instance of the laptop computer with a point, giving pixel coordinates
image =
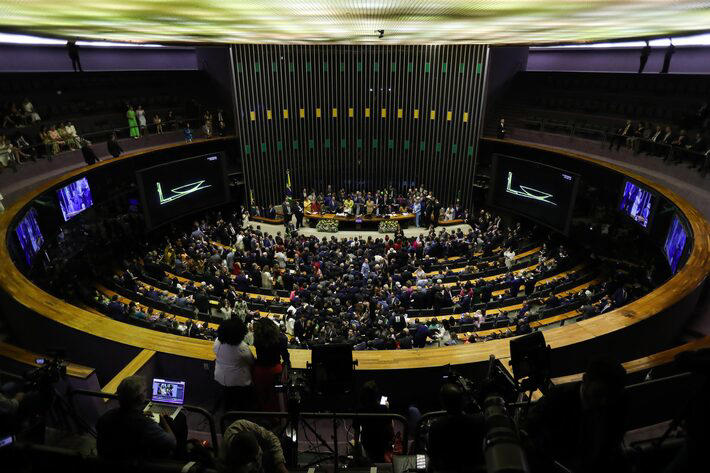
(167, 397)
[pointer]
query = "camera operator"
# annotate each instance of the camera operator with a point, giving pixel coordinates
(9, 408)
(581, 426)
(455, 441)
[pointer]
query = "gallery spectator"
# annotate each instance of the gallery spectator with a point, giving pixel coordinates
(158, 123)
(233, 365)
(73, 53)
(132, 123)
(114, 148)
(142, 122)
(30, 114)
(88, 153)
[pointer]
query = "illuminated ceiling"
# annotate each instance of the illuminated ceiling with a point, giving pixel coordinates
(354, 21)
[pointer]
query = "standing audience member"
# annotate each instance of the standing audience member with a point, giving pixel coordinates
(132, 124)
(158, 122)
(233, 364)
(142, 122)
(73, 53)
(271, 356)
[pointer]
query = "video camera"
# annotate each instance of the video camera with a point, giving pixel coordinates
(49, 371)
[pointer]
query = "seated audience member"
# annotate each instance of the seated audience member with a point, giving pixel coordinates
(70, 140)
(620, 136)
(376, 435)
(581, 426)
(455, 441)
(30, 115)
(248, 447)
(126, 433)
(233, 364)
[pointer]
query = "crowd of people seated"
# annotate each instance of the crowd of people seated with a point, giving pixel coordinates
(376, 293)
(673, 145)
(417, 201)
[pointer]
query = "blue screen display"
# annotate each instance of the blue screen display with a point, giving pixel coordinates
(675, 243)
(31, 239)
(74, 198)
(636, 202)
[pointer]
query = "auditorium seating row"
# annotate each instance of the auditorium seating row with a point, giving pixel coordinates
(599, 102)
(96, 101)
(187, 317)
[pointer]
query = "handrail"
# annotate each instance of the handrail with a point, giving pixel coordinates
(194, 409)
(231, 416)
(176, 122)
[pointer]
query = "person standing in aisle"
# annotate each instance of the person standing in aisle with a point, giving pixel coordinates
(132, 124)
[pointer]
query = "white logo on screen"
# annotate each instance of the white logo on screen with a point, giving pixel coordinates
(181, 191)
(528, 192)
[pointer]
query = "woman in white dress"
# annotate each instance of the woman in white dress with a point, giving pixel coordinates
(142, 123)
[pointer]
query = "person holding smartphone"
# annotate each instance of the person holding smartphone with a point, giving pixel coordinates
(376, 435)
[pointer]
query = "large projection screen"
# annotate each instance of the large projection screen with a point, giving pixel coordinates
(169, 191)
(542, 193)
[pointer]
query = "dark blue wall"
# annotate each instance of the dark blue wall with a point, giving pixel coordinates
(21, 58)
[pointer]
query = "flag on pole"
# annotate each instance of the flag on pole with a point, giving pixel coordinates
(288, 184)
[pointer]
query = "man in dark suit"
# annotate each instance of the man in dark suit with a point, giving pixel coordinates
(298, 212)
(88, 153)
(286, 213)
(645, 53)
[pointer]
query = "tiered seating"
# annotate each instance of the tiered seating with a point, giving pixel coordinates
(593, 104)
(96, 101)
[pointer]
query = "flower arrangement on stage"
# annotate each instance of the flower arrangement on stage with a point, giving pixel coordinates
(329, 225)
(388, 226)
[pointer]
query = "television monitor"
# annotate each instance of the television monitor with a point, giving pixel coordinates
(74, 198)
(675, 243)
(29, 235)
(637, 203)
(543, 193)
(171, 190)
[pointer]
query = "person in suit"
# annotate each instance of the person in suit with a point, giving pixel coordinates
(286, 213)
(501, 129)
(298, 212)
(113, 147)
(88, 153)
(645, 53)
(667, 58)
